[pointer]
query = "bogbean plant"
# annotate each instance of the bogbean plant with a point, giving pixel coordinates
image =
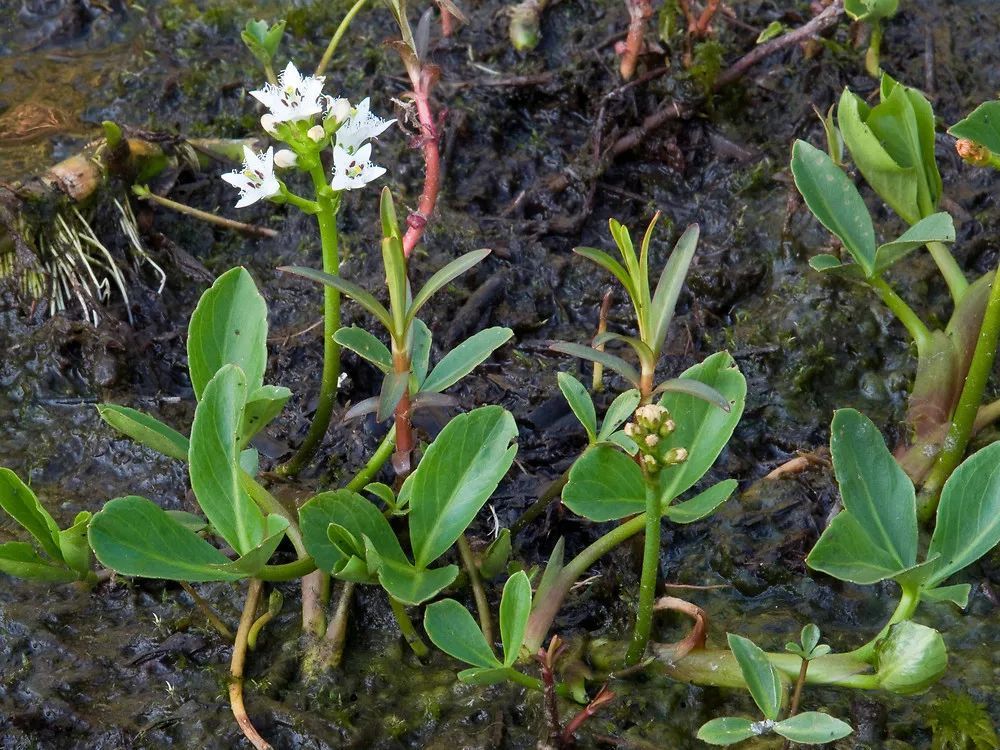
(892, 146)
(631, 477)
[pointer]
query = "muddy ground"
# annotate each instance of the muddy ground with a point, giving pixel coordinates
(131, 665)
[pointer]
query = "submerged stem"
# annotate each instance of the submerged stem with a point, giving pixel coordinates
(237, 664)
(409, 632)
(647, 581)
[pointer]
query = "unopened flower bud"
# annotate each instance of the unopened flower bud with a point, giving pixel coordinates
(667, 427)
(269, 123)
(631, 429)
(650, 463)
(285, 159)
(339, 109)
(317, 133)
(972, 152)
(649, 416)
(651, 440)
(675, 456)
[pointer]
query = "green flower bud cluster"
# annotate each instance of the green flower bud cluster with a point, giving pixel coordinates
(652, 424)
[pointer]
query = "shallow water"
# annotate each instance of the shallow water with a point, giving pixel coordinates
(129, 665)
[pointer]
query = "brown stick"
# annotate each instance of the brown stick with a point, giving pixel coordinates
(236, 667)
(209, 613)
(639, 12)
(416, 222)
(603, 697)
(674, 111)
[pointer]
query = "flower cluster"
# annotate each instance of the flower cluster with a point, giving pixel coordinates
(652, 424)
(293, 104)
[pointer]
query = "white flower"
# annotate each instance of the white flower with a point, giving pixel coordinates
(285, 159)
(257, 180)
(269, 124)
(360, 127)
(316, 133)
(352, 171)
(294, 98)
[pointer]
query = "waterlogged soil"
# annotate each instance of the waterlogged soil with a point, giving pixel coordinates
(132, 664)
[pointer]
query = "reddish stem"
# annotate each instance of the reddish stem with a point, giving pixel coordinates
(447, 22)
(603, 697)
(639, 11)
(401, 414)
(423, 79)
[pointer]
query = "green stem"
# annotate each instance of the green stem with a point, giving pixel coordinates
(964, 419)
(288, 571)
(270, 505)
(647, 581)
(478, 592)
(269, 74)
(337, 35)
(910, 320)
(873, 63)
(908, 602)
(327, 218)
(409, 632)
(378, 459)
(948, 266)
(547, 603)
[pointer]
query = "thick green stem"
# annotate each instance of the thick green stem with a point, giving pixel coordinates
(547, 604)
(378, 459)
(338, 35)
(478, 593)
(908, 601)
(647, 580)
(288, 571)
(904, 313)
(948, 266)
(409, 632)
(327, 218)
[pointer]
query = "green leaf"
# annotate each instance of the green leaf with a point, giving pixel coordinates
(189, 521)
(910, 658)
(455, 477)
(935, 228)
(384, 493)
(135, 537)
(515, 608)
(393, 389)
(605, 485)
(387, 214)
(875, 536)
(813, 728)
(761, 678)
(702, 504)
(668, 288)
(825, 263)
(214, 461)
(726, 731)
(452, 629)
(610, 265)
(835, 201)
(362, 343)
(436, 282)
(968, 516)
(702, 428)
(145, 429)
(263, 405)
(809, 638)
(351, 512)
(870, 10)
(420, 353)
(610, 361)
(694, 388)
(411, 585)
(494, 559)
(251, 563)
(845, 551)
(982, 126)
(621, 409)
(465, 357)
(20, 503)
(957, 594)
(553, 567)
(579, 401)
(395, 277)
(229, 326)
(21, 560)
(349, 288)
(643, 352)
(484, 675)
(73, 544)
